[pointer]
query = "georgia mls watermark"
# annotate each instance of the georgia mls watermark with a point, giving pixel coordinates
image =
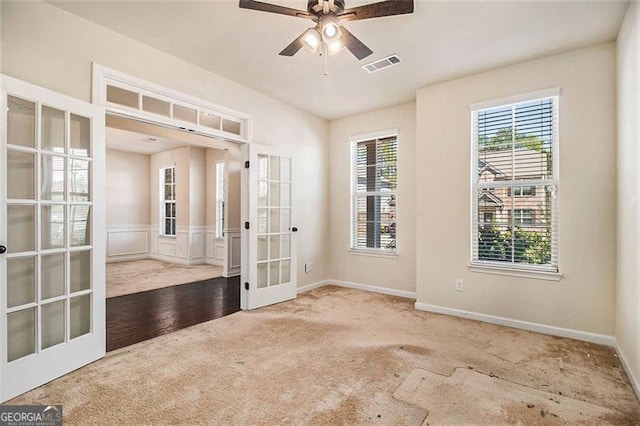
(30, 415)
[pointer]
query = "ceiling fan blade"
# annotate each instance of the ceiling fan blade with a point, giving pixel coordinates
(378, 10)
(273, 8)
(293, 48)
(355, 46)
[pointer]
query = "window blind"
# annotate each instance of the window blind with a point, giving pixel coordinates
(373, 198)
(515, 203)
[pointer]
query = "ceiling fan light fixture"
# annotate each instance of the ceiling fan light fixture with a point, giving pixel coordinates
(328, 36)
(330, 31)
(311, 39)
(335, 47)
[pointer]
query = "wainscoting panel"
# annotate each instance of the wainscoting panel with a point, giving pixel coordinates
(182, 245)
(210, 245)
(232, 265)
(127, 243)
(218, 249)
(190, 246)
(197, 245)
(166, 246)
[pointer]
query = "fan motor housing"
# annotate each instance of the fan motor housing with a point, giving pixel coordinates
(316, 7)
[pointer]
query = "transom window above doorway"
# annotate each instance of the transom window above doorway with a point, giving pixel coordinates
(147, 101)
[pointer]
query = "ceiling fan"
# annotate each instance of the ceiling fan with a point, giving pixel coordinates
(328, 36)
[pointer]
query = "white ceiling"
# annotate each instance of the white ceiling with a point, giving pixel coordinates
(124, 134)
(439, 41)
(124, 140)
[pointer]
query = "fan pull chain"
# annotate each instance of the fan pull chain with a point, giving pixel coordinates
(326, 59)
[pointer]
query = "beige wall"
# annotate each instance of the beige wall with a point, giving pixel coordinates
(628, 313)
(198, 186)
(235, 165)
(393, 273)
(127, 190)
(46, 46)
(585, 298)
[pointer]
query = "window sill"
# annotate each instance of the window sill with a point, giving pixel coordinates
(373, 253)
(169, 237)
(521, 273)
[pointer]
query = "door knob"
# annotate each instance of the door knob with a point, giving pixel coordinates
(3, 249)
(294, 229)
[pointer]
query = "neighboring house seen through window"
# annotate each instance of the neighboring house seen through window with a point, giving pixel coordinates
(168, 197)
(515, 166)
(373, 197)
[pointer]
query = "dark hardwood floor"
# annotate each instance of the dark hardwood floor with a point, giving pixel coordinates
(133, 318)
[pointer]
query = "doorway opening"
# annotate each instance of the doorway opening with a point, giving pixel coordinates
(173, 229)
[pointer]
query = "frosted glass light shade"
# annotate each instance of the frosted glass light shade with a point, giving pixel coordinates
(311, 39)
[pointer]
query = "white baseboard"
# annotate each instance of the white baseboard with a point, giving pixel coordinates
(309, 287)
(233, 272)
(635, 381)
(178, 260)
(214, 262)
(383, 290)
(601, 339)
(358, 286)
(126, 258)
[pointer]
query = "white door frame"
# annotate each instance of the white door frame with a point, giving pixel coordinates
(103, 75)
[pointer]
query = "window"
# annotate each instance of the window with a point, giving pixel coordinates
(373, 197)
(522, 216)
(168, 197)
(220, 187)
(524, 191)
(515, 169)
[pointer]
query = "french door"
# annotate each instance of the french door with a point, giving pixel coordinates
(272, 260)
(52, 274)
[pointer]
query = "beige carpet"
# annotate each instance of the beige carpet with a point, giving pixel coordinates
(149, 274)
(340, 356)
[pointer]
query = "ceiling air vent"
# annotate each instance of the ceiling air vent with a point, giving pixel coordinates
(381, 64)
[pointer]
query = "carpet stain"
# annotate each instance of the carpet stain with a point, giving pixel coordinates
(416, 350)
(346, 413)
(529, 414)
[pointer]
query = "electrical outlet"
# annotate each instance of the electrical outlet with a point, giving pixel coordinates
(459, 284)
(308, 267)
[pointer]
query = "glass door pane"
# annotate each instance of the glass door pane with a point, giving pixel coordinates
(21, 334)
(21, 174)
(52, 130)
(21, 122)
(21, 281)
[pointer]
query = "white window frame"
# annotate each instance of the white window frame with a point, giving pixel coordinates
(523, 216)
(221, 183)
(353, 248)
(164, 202)
(519, 191)
(547, 272)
